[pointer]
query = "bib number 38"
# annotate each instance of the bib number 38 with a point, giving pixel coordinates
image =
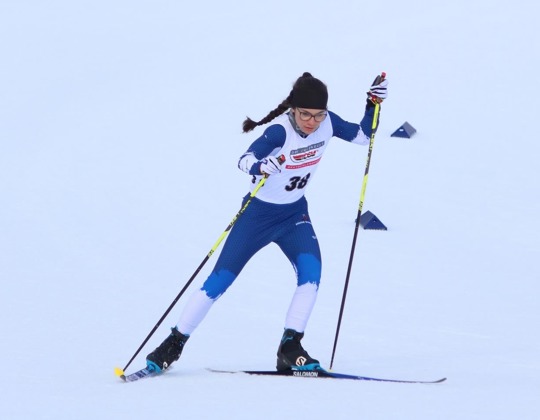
(297, 182)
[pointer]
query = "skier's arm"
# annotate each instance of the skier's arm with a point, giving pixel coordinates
(269, 143)
(361, 133)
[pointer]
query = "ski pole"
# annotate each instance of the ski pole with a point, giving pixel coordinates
(377, 80)
(119, 371)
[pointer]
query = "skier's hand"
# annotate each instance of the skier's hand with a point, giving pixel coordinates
(379, 89)
(270, 165)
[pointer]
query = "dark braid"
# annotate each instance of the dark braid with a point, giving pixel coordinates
(249, 124)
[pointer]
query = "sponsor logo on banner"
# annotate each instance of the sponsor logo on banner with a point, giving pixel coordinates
(302, 165)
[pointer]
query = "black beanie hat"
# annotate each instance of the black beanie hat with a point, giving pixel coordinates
(309, 92)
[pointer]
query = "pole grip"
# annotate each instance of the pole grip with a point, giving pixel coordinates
(377, 80)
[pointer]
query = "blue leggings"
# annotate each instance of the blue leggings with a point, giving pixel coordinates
(287, 225)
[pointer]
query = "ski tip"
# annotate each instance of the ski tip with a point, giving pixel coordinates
(119, 372)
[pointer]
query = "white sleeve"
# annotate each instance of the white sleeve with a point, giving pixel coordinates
(246, 162)
(361, 138)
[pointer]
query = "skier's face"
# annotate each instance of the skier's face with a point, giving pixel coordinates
(308, 120)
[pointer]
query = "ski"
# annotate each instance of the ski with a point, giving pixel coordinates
(135, 376)
(145, 373)
(325, 374)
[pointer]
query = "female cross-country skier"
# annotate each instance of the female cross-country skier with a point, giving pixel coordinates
(302, 128)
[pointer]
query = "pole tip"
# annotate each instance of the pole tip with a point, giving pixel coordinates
(118, 372)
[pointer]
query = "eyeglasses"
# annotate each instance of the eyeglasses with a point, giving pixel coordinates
(306, 116)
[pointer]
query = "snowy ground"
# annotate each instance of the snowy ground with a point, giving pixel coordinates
(119, 136)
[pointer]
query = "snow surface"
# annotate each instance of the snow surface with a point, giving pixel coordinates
(119, 138)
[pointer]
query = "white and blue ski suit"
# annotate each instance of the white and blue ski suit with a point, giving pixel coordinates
(279, 214)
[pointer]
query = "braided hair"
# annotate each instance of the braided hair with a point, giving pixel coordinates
(307, 92)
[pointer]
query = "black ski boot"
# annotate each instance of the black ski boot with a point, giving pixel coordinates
(291, 354)
(167, 352)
